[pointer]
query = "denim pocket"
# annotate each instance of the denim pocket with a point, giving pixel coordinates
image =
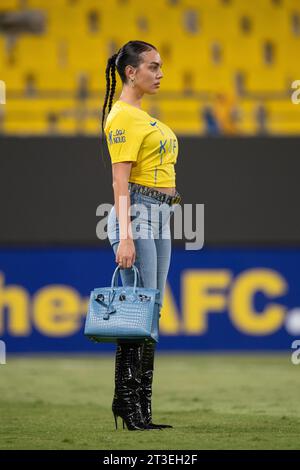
(146, 200)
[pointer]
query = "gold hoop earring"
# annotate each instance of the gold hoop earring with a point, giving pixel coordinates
(132, 84)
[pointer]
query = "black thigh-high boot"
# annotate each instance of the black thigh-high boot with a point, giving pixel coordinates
(117, 379)
(126, 402)
(146, 385)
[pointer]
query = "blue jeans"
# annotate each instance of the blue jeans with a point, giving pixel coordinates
(152, 240)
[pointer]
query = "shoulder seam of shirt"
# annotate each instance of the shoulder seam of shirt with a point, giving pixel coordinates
(132, 117)
(128, 111)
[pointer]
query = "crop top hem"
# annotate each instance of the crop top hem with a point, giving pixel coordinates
(151, 184)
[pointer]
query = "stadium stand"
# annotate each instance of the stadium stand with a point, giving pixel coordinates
(246, 51)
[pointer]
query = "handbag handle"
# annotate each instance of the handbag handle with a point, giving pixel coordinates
(115, 277)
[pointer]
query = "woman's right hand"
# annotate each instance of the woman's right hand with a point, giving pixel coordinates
(125, 256)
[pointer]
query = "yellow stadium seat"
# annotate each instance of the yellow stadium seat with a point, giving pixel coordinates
(214, 79)
(89, 52)
(197, 64)
(265, 79)
(34, 52)
(3, 57)
(8, 5)
(13, 78)
(243, 52)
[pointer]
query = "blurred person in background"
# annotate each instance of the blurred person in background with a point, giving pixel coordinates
(261, 119)
(226, 113)
(30, 87)
(211, 127)
(187, 83)
(143, 153)
(82, 111)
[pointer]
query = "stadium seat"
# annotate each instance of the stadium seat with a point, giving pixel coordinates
(203, 46)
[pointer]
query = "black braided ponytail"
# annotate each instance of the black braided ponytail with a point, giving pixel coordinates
(129, 54)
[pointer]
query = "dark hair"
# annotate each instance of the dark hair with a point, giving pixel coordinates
(129, 54)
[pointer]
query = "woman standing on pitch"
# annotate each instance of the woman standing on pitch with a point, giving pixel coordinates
(143, 152)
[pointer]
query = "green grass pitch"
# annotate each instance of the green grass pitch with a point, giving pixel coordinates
(214, 401)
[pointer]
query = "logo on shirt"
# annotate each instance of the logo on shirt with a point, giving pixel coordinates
(154, 124)
(117, 136)
(163, 149)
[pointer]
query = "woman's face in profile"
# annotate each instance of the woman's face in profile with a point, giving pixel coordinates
(149, 73)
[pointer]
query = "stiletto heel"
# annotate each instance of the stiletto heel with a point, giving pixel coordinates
(116, 420)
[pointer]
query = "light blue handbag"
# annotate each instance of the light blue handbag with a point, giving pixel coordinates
(130, 313)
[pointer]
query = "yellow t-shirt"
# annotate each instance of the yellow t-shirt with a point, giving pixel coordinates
(133, 135)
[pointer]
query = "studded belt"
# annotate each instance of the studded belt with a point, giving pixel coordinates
(162, 197)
